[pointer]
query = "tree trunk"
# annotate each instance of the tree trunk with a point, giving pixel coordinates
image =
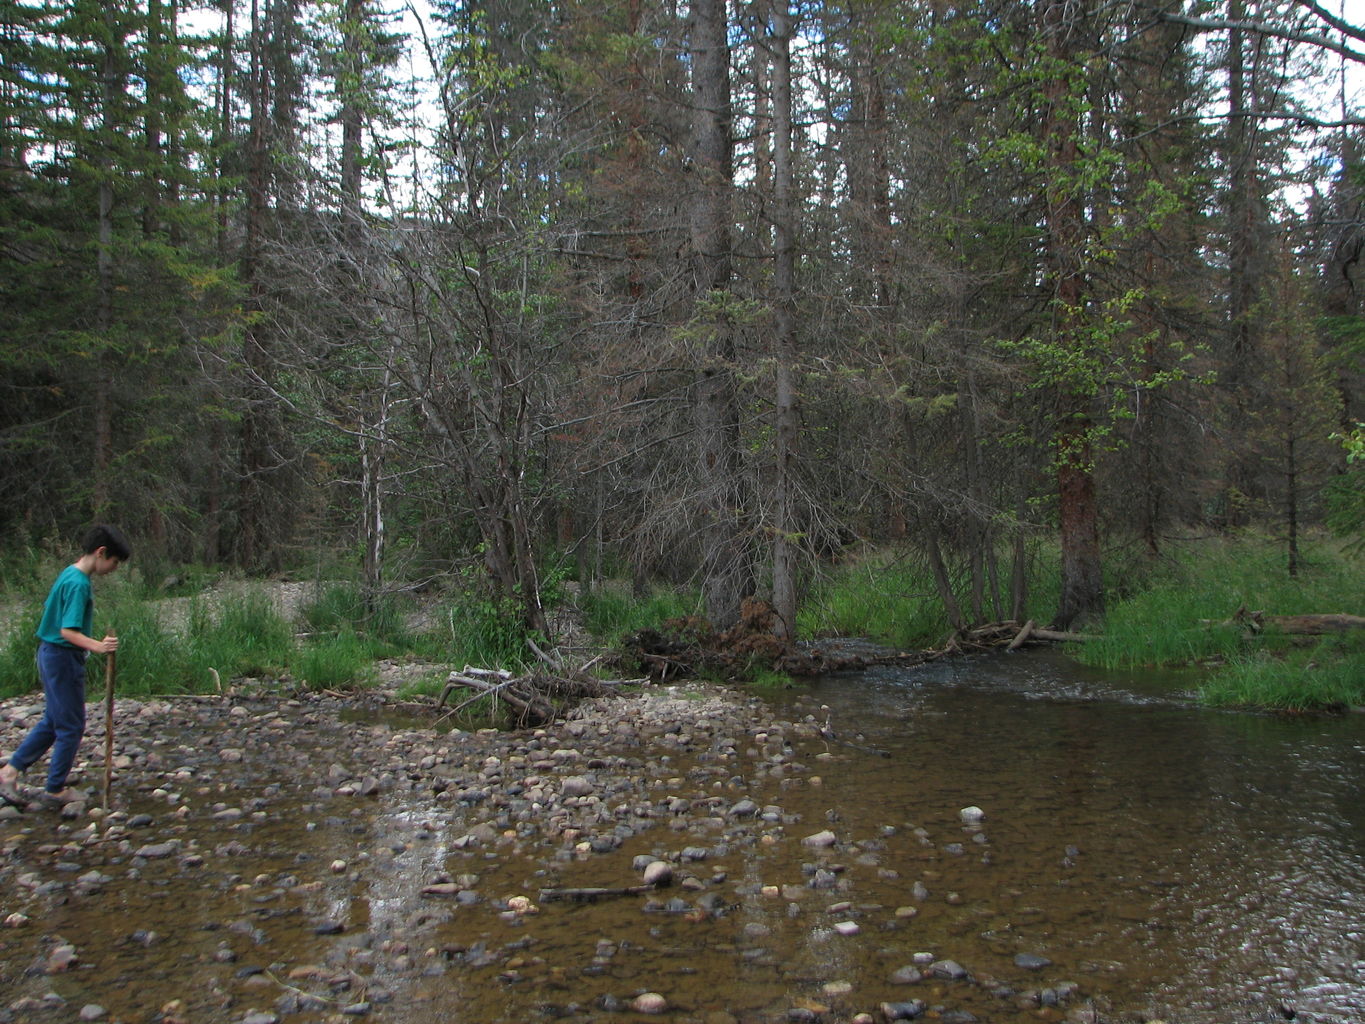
(110, 87)
(350, 90)
(1244, 216)
(727, 573)
(374, 439)
(1082, 597)
(255, 454)
(1082, 581)
(784, 327)
(941, 579)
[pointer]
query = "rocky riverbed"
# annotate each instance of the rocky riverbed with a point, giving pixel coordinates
(670, 853)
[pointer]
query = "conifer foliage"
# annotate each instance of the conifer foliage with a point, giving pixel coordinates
(702, 293)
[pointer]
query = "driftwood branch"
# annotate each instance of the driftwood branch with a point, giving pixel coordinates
(591, 893)
(1012, 636)
(534, 698)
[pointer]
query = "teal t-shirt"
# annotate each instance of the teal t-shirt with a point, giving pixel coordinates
(70, 605)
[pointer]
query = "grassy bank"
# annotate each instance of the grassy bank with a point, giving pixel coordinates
(1172, 611)
(319, 636)
(1180, 610)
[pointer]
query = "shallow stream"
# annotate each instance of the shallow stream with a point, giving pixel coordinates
(1138, 858)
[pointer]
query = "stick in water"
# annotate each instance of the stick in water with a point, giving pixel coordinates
(108, 725)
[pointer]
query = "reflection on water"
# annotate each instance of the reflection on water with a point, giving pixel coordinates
(1169, 862)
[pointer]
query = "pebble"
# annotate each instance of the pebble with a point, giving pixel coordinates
(649, 1002)
(950, 969)
(658, 872)
(903, 1011)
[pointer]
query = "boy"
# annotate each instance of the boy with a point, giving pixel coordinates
(64, 642)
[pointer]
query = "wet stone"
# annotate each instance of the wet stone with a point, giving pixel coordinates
(903, 1011)
(658, 872)
(744, 809)
(649, 1002)
(949, 969)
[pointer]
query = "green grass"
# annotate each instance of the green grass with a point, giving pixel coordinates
(879, 597)
(1180, 612)
(766, 679)
(340, 661)
(428, 685)
(339, 608)
(241, 633)
(611, 614)
(1328, 676)
(476, 630)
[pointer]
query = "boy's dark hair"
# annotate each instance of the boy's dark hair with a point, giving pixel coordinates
(110, 538)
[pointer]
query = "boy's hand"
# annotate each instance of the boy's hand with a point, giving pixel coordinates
(109, 644)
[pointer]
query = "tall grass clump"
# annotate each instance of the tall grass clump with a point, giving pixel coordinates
(880, 598)
(151, 658)
(481, 631)
(239, 635)
(336, 661)
(18, 670)
(611, 614)
(376, 625)
(244, 636)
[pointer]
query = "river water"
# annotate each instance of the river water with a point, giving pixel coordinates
(1171, 862)
(1139, 858)
(1190, 864)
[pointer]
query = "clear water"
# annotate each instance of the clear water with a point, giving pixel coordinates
(1171, 862)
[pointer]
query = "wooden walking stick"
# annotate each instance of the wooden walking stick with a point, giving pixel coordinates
(108, 724)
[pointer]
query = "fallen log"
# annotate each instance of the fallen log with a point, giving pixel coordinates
(1012, 636)
(1062, 636)
(1297, 625)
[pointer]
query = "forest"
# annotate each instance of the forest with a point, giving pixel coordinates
(692, 294)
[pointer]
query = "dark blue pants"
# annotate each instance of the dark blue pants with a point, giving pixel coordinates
(62, 670)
